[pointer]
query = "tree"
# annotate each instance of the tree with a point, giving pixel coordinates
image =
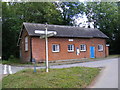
(70, 10)
(14, 14)
(105, 17)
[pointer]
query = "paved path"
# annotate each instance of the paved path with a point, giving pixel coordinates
(107, 79)
(0, 76)
(0, 71)
(101, 63)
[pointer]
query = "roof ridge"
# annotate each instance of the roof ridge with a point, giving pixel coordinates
(66, 26)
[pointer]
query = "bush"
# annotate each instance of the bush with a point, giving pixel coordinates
(12, 60)
(11, 57)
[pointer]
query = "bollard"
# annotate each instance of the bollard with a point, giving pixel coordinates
(34, 62)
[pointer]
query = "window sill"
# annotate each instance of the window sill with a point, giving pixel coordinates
(55, 51)
(83, 50)
(100, 50)
(70, 51)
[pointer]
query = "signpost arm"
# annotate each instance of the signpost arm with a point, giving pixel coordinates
(47, 34)
(46, 42)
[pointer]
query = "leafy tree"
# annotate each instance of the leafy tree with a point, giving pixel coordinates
(0, 39)
(14, 14)
(70, 10)
(105, 17)
(104, 14)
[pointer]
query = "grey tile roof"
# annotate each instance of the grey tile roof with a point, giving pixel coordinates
(65, 31)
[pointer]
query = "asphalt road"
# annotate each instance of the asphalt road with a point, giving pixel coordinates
(0, 76)
(108, 78)
(0, 71)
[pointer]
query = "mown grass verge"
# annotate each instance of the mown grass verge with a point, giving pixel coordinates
(14, 62)
(75, 77)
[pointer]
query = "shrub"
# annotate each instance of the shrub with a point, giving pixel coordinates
(11, 57)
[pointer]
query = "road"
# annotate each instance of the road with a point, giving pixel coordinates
(108, 78)
(0, 76)
(0, 71)
(101, 63)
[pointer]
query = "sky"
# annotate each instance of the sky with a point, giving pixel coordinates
(84, 22)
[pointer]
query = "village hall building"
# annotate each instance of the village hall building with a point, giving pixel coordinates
(69, 43)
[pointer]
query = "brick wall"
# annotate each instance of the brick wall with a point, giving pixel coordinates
(38, 48)
(25, 55)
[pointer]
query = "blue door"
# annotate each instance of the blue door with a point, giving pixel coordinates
(92, 52)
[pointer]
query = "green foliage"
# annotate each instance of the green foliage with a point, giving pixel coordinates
(11, 57)
(76, 77)
(14, 14)
(70, 10)
(11, 61)
(105, 16)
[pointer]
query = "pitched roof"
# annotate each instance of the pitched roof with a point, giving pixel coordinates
(65, 31)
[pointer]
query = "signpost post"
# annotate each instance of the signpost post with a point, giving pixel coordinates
(46, 42)
(45, 35)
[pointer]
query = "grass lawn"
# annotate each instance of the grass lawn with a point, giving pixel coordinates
(75, 77)
(14, 62)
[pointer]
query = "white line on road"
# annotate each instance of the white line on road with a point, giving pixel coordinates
(9, 69)
(5, 69)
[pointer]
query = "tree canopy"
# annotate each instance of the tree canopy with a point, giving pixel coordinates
(14, 14)
(104, 15)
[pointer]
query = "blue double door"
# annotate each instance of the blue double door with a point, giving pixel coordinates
(92, 52)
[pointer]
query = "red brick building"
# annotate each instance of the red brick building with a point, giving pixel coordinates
(69, 43)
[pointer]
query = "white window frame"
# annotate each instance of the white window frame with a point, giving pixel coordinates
(101, 47)
(57, 48)
(71, 48)
(26, 43)
(83, 46)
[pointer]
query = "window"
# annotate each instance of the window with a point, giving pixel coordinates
(100, 47)
(71, 48)
(55, 48)
(26, 43)
(82, 47)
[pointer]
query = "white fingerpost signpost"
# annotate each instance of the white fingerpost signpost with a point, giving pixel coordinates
(46, 34)
(46, 42)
